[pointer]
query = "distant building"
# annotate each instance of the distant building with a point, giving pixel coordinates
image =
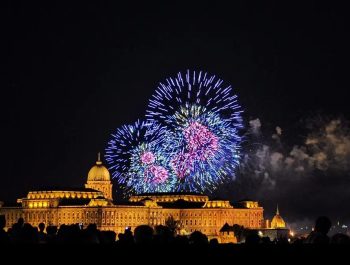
(277, 229)
(94, 204)
(277, 221)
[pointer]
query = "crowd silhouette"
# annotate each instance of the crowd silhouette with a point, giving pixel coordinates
(144, 235)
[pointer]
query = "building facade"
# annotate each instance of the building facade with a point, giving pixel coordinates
(94, 204)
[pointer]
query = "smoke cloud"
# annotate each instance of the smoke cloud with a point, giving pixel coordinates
(307, 179)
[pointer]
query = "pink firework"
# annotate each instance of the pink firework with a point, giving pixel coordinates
(201, 142)
(156, 174)
(182, 164)
(147, 158)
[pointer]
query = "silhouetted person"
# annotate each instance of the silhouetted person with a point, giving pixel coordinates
(266, 240)
(107, 237)
(319, 235)
(29, 234)
(4, 238)
(163, 235)
(198, 239)
(214, 243)
(143, 235)
(16, 231)
(42, 237)
(20, 222)
(91, 234)
(51, 234)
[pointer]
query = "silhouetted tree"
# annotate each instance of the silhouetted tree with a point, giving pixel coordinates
(172, 224)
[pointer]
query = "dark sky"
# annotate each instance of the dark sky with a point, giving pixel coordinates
(74, 73)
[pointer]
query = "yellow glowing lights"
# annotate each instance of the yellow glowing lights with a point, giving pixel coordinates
(38, 204)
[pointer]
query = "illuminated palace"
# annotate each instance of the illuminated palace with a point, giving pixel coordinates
(94, 204)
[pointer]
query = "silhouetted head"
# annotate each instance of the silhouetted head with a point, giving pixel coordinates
(143, 234)
(121, 236)
(41, 227)
(2, 221)
(198, 238)
(92, 227)
(214, 242)
(265, 240)
(20, 221)
(323, 224)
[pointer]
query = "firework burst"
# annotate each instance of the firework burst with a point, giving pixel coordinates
(194, 88)
(203, 118)
(136, 158)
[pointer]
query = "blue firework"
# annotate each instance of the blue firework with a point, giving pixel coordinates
(135, 156)
(194, 88)
(204, 118)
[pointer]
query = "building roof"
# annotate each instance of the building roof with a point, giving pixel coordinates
(245, 204)
(64, 189)
(99, 172)
(226, 228)
(181, 204)
(73, 202)
(128, 203)
(277, 220)
(169, 193)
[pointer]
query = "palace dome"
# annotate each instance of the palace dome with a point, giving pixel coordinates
(277, 221)
(99, 172)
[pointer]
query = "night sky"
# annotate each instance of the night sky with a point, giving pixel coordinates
(74, 73)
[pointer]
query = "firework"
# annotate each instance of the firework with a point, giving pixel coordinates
(136, 158)
(203, 118)
(194, 88)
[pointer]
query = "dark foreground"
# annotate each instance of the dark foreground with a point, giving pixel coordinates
(151, 254)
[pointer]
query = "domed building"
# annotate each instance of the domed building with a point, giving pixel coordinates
(276, 229)
(100, 179)
(93, 204)
(277, 221)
